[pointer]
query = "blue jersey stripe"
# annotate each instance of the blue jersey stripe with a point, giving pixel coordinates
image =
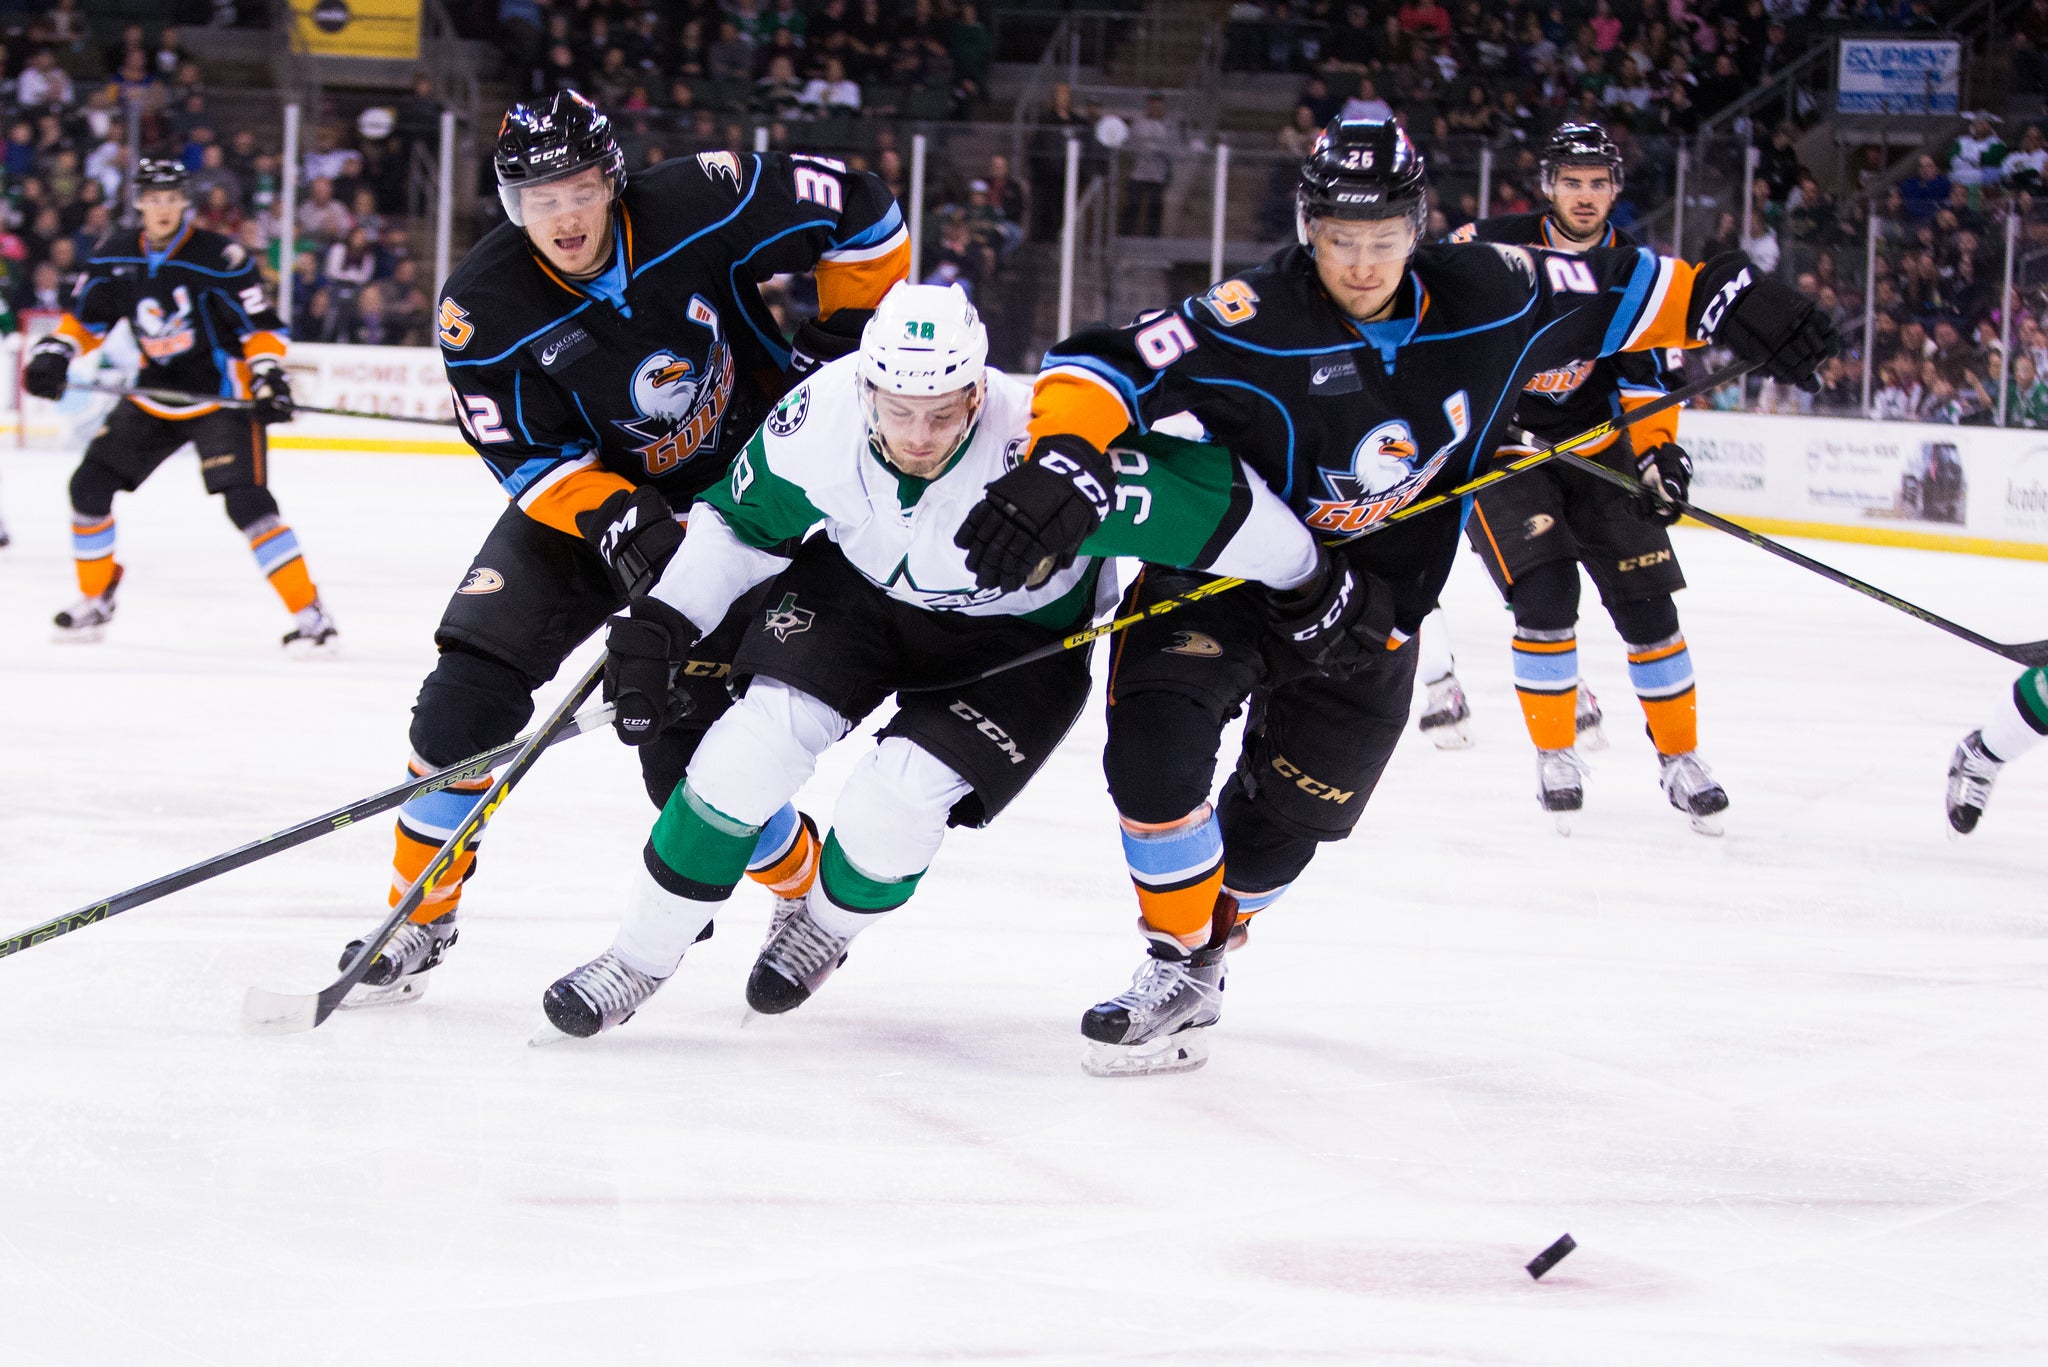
(1286, 493)
(515, 483)
(745, 200)
(775, 348)
(880, 232)
(1633, 294)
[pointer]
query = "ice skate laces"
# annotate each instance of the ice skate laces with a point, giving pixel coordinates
(801, 948)
(1162, 987)
(1685, 777)
(611, 985)
(412, 948)
(1972, 773)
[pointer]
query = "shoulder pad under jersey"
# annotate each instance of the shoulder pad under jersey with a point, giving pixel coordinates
(1273, 304)
(1518, 229)
(1474, 284)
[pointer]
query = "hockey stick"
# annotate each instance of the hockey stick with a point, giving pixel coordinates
(2024, 652)
(1088, 635)
(310, 829)
(182, 397)
(288, 1013)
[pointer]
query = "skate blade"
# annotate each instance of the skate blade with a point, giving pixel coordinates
(1457, 737)
(391, 994)
(547, 1037)
(78, 636)
(305, 652)
(279, 1013)
(1563, 821)
(1708, 825)
(1177, 1053)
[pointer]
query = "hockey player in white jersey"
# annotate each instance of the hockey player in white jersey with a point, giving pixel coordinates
(884, 452)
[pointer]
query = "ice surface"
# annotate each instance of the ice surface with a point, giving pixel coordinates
(1784, 1088)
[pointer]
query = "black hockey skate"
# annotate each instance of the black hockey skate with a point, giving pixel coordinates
(1971, 772)
(85, 621)
(1447, 717)
(1690, 786)
(799, 956)
(1561, 785)
(603, 994)
(399, 972)
(1158, 1024)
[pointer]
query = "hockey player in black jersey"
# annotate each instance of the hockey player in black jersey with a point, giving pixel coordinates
(1356, 372)
(205, 326)
(1534, 532)
(609, 351)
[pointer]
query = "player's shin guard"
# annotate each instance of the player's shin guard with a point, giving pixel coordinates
(1177, 870)
(424, 825)
(1547, 684)
(276, 549)
(1661, 672)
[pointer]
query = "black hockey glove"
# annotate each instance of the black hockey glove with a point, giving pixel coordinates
(1665, 472)
(818, 342)
(271, 389)
(48, 364)
(1763, 320)
(1032, 520)
(1338, 621)
(648, 645)
(636, 533)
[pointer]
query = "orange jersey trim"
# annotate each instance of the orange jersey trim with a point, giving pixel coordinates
(1663, 320)
(577, 492)
(1070, 400)
(175, 413)
(1654, 430)
(265, 343)
(861, 284)
(74, 332)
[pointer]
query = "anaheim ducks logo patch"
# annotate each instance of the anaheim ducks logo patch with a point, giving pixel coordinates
(1195, 643)
(482, 580)
(1538, 524)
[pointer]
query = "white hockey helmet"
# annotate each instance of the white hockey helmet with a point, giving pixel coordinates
(924, 340)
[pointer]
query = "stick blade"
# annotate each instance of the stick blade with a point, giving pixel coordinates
(279, 1013)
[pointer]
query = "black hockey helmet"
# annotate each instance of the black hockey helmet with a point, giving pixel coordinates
(1578, 144)
(550, 139)
(1362, 169)
(154, 174)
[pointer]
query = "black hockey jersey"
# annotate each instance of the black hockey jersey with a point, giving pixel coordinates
(658, 370)
(198, 308)
(1349, 422)
(1586, 391)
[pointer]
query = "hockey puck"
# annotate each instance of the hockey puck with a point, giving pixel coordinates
(1551, 1257)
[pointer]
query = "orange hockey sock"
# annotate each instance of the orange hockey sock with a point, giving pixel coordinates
(1547, 683)
(424, 825)
(92, 551)
(1662, 675)
(1177, 868)
(276, 548)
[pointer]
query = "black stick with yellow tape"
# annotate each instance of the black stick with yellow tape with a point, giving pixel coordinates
(287, 1013)
(1088, 635)
(2028, 653)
